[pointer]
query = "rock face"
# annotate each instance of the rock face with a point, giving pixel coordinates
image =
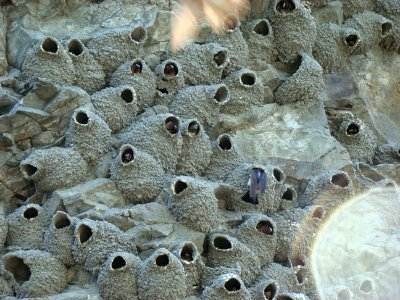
(131, 171)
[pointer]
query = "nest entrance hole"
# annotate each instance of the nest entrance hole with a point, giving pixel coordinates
(261, 28)
(187, 253)
(270, 291)
(82, 118)
(351, 40)
(31, 213)
(340, 180)
(171, 69)
(29, 169)
(127, 155)
(285, 6)
(138, 34)
(318, 213)
(248, 79)
(344, 294)
(232, 285)
(222, 243)
(221, 95)
(136, 67)
(127, 95)
(386, 28)
(225, 143)
(162, 260)
(265, 227)
(193, 128)
(278, 174)
(172, 124)
(366, 287)
(84, 233)
(18, 268)
(118, 263)
(75, 47)
(288, 194)
(179, 187)
(220, 58)
(61, 220)
(50, 45)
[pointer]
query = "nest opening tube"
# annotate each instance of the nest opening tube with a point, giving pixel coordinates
(288, 194)
(138, 35)
(261, 28)
(30, 213)
(220, 58)
(340, 180)
(248, 79)
(232, 285)
(172, 124)
(179, 187)
(29, 169)
(222, 243)
(225, 143)
(75, 47)
(136, 67)
(344, 294)
(231, 22)
(351, 40)
(50, 45)
(318, 213)
(118, 263)
(386, 28)
(193, 128)
(61, 220)
(171, 69)
(127, 155)
(18, 268)
(221, 94)
(366, 287)
(84, 233)
(285, 6)
(278, 174)
(187, 253)
(353, 129)
(82, 118)
(265, 227)
(127, 95)
(162, 260)
(270, 291)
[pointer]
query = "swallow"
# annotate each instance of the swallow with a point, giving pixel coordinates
(257, 185)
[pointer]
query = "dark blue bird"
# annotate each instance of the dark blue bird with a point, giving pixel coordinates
(257, 185)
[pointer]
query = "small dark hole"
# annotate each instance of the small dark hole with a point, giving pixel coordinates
(84, 233)
(386, 27)
(172, 125)
(221, 94)
(75, 47)
(50, 45)
(29, 169)
(270, 291)
(353, 129)
(301, 276)
(179, 187)
(162, 260)
(340, 180)
(284, 297)
(225, 143)
(265, 227)
(127, 95)
(318, 213)
(248, 79)
(171, 69)
(351, 40)
(127, 155)
(232, 285)
(82, 118)
(187, 253)
(193, 128)
(18, 268)
(61, 220)
(366, 287)
(285, 6)
(118, 263)
(288, 195)
(222, 243)
(138, 34)
(220, 58)
(136, 67)
(231, 22)
(30, 213)
(261, 28)
(296, 261)
(278, 175)
(163, 91)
